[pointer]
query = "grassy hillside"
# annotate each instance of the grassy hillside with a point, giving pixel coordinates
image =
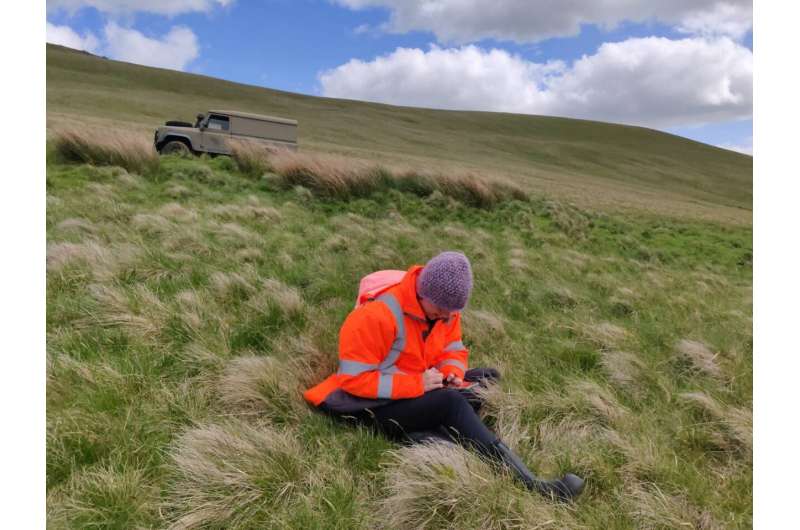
(597, 165)
(189, 304)
(190, 301)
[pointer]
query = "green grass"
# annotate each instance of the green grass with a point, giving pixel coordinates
(187, 309)
(600, 166)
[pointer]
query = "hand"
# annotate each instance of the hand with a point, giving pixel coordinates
(432, 379)
(453, 380)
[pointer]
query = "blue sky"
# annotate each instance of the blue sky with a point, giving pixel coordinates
(681, 66)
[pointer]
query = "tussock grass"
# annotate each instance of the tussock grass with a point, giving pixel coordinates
(251, 210)
(699, 355)
(272, 293)
(501, 409)
(177, 212)
(438, 485)
(104, 263)
(172, 325)
(309, 363)
(263, 386)
(77, 225)
(102, 498)
(568, 443)
(237, 475)
(624, 369)
(152, 224)
(583, 398)
(653, 508)
(605, 334)
(341, 177)
(735, 423)
(140, 313)
(106, 147)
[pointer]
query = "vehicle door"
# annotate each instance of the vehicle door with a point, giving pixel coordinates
(214, 134)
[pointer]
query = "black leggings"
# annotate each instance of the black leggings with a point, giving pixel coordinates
(443, 407)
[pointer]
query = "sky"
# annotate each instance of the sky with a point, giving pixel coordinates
(681, 66)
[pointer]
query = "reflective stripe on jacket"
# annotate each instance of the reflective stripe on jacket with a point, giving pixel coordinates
(382, 354)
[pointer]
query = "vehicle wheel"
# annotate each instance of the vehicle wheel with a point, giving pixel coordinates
(176, 147)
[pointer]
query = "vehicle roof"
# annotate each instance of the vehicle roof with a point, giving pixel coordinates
(260, 117)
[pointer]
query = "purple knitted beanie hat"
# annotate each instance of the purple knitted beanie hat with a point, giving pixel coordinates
(446, 280)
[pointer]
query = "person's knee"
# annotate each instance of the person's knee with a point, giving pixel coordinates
(451, 399)
(455, 408)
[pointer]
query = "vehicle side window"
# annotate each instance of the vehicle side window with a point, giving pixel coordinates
(219, 123)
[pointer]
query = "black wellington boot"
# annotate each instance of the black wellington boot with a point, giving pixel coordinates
(564, 489)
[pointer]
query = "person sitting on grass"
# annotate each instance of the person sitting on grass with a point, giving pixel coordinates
(403, 369)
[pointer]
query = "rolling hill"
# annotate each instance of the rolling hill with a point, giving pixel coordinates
(597, 165)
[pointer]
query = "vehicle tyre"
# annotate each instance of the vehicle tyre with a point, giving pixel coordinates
(176, 147)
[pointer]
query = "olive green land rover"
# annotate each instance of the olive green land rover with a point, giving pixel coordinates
(212, 132)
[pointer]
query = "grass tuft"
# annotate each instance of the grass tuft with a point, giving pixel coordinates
(106, 147)
(699, 355)
(236, 475)
(652, 508)
(439, 485)
(736, 424)
(347, 178)
(263, 386)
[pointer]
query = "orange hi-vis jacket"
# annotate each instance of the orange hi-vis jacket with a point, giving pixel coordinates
(382, 353)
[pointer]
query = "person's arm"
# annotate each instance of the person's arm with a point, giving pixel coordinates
(453, 359)
(364, 343)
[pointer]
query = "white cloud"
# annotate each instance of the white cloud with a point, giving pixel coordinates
(66, 36)
(721, 19)
(463, 21)
(121, 7)
(174, 50)
(651, 81)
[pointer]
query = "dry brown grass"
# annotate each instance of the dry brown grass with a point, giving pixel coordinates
(106, 147)
(77, 225)
(734, 423)
(329, 175)
(605, 334)
(650, 507)
(101, 497)
(643, 455)
(230, 284)
(234, 233)
(502, 410)
(140, 312)
(236, 474)
(152, 224)
(699, 355)
(311, 364)
(103, 262)
(567, 439)
(624, 369)
(178, 191)
(581, 398)
(251, 157)
(438, 485)
(251, 210)
(177, 212)
(345, 177)
(263, 386)
(274, 293)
